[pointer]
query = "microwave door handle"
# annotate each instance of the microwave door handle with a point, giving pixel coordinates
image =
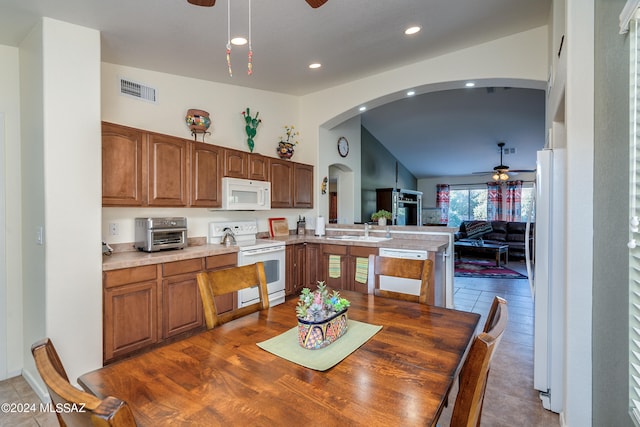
(261, 198)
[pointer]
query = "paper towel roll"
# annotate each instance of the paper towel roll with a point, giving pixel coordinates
(320, 226)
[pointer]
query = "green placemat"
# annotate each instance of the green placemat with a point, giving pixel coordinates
(286, 346)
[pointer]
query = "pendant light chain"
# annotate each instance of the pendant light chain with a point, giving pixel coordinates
(229, 37)
(250, 55)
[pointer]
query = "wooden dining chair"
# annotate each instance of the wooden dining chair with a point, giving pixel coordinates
(401, 268)
(467, 409)
(84, 409)
(221, 282)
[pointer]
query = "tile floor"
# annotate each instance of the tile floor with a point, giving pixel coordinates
(510, 399)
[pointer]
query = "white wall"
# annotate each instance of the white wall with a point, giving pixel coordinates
(63, 299)
(11, 275)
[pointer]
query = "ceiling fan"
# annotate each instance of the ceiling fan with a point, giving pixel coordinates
(208, 3)
(501, 172)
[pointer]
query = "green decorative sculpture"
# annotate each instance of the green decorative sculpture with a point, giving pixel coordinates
(251, 126)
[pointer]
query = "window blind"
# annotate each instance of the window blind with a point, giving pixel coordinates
(634, 247)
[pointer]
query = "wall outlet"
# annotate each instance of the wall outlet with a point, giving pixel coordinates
(114, 229)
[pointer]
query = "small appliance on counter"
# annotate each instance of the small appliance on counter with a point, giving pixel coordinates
(157, 234)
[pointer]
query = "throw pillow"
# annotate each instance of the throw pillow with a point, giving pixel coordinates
(476, 229)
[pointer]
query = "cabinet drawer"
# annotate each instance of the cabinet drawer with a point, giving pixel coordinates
(221, 261)
(181, 267)
(363, 251)
(334, 249)
(129, 275)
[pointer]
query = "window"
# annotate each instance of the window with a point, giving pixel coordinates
(470, 203)
(467, 204)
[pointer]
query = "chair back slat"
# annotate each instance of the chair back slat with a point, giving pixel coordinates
(224, 281)
(400, 268)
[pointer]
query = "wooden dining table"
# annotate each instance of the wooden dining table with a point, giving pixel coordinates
(401, 376)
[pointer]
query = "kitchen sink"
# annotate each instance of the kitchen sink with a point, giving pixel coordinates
(354, 238)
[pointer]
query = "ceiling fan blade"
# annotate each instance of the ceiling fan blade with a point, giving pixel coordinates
(315, 3)
(205, 3)
(523, 170)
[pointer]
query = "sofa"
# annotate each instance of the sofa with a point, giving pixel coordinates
(498, 232)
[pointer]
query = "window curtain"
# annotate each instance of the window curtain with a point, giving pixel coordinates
(494, 201)
(442, 202)
(513, 202)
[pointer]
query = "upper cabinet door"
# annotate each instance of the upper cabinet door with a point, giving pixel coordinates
(206, 175)
(122, 166)
(281, 183)
(167, 171)
(235, 163)
(302, 186)
(258, 167)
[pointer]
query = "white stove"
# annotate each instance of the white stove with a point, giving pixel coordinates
(252, 250)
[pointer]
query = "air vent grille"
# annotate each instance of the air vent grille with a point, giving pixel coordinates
(138, 90)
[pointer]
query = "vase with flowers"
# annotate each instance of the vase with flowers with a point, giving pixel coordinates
(287, 142)
(322, 317)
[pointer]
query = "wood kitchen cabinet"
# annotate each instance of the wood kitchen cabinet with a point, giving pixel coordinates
(122, 165)
(281, 172)
(181, 302)
(130, 304)
(295, 268)
(146, 306)
(236, 163)
(302, 186)
(348, 256)
(313, 265)
(291, 184)
(206, 173)
(142, 168)
(258, 167)
(168, 163)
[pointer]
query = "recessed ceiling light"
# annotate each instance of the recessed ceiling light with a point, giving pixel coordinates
(412, 30)
(470, 84)
(363, 108)
(239, 41)
(315, 65)
(411, 93)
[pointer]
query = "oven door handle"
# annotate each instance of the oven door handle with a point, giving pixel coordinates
(263, 251)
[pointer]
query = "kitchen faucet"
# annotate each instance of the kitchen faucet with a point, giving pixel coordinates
(228, 238)
(366, 230)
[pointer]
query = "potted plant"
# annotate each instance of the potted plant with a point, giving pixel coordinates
(322, 317)
(287, 142)
(381, 216)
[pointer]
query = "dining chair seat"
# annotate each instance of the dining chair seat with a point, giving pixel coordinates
(399, 268)
(221, 282)
(91, 411)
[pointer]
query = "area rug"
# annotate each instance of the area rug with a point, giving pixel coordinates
(485, 269)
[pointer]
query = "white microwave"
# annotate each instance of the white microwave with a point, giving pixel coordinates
(245, 195)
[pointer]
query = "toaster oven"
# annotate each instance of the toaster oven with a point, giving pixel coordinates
(157, 234)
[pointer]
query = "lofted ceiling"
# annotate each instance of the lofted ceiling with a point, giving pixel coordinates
(350, 38)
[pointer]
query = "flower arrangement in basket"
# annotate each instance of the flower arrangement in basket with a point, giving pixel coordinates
(287, 142)
(322, 317)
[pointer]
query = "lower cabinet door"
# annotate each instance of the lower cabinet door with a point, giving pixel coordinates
(181, 304)
(130, 318)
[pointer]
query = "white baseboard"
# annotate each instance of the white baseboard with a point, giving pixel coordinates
(42, 393)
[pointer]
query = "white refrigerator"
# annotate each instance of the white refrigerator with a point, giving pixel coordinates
(546, 277)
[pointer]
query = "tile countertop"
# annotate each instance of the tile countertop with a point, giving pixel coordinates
(434, 239)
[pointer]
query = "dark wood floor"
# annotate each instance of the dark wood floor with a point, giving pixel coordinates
(510, 399)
